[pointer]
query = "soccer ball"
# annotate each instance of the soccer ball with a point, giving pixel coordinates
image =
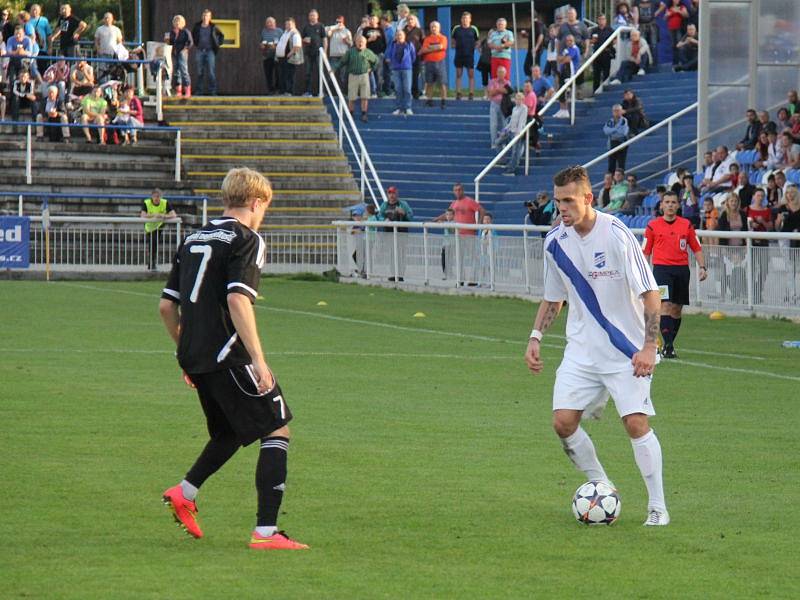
(596, 503)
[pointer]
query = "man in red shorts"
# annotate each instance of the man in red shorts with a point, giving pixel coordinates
(669, 238)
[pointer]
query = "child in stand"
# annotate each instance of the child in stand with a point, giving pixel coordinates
(488, 247)
(709, 221)
(448, 245)
(124, 118)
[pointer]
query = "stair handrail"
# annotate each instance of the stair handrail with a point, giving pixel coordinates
(342, 113)
(570, 83)
(670, 150)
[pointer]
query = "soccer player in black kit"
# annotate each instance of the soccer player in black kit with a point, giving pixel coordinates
(207, 307)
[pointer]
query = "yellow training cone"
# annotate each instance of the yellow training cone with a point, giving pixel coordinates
(716, 315)
(322, 303)
(259, 297)
(419, 315)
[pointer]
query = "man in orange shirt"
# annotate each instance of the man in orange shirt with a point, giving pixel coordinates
(434, 53)
(465, 209)
(668, 240)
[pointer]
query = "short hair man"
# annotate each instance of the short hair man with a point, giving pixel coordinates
(107, 39)
(612, 331)
(270, 36)
(394, 209)
(569, 60)
(717, 176)
(601, 67)
(748, 142)
(668, 240)
(466, 38)
(434, 55)
(156, 210)
(358, 63)
(208, 39)
(314, 38)
(500, 42)
(207, 308)
(68, 32)
(616, 129)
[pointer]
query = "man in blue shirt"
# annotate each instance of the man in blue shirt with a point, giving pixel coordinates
(542, 86)
(42, 32)
(569, 61)
(465, 40)
(18, 47)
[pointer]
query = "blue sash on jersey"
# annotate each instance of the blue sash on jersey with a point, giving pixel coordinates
(587, 295)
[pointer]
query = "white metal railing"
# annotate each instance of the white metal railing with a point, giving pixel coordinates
(509, 260)
(300, 250)
(570, 84)
(368, 176)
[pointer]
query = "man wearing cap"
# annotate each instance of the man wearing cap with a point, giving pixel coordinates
(395, 209)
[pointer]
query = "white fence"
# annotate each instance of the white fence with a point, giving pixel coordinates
(120, 245)
(509, 259)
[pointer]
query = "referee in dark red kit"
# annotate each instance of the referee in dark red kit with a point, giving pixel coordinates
(669, 238)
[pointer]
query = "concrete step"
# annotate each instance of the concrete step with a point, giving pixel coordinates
(283, 184)
(268, 115)
(271, 165)
(91, 182)
(300, 197)
(228, 136)
(79, 146)
(239, 100)
(141, 166)
(321, 150)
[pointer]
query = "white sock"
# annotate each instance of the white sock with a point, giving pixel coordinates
(647, 452)
(189, 491)
(266, 530)
(581, 452)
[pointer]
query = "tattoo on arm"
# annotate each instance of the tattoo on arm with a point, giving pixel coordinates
(548, 311)
(651, 326)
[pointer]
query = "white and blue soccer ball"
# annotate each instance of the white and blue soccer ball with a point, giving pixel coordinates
(596, 503)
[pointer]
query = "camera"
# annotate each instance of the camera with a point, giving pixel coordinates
(528, 203)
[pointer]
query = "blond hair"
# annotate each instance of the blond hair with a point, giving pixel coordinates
(178, 21)
(242, 185)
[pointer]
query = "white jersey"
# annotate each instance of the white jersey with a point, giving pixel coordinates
(602, 276)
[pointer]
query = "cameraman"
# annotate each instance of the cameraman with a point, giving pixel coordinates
(395, 209)
(542, 212)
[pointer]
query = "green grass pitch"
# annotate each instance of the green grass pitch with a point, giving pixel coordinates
(422, 463)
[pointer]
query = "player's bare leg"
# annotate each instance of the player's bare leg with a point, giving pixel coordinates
(270, 484)
(647, 452)
(577, 444)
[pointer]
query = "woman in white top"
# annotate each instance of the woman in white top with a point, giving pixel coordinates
(289, 54)
(516, 123)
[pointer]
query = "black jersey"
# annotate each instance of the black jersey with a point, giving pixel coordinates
(221, 258)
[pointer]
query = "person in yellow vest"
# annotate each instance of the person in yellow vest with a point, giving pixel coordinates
(156, 211)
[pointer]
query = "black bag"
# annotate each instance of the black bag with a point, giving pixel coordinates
(507, 103)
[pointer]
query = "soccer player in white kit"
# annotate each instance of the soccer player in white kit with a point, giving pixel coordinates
(594, 262)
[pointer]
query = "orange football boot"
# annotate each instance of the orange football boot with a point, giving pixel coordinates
(183, 511)
(277, 541)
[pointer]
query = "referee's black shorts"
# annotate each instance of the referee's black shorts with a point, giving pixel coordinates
(232, 404)
(673, 283)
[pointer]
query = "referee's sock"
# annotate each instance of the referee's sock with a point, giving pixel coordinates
(676, 327)
(580, 450)
(270, 482)
(667, 330)
(217, 452)
(647, 452)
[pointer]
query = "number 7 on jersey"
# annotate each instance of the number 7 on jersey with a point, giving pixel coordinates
(205, 250)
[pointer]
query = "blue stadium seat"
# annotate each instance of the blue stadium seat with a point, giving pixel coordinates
(793, 176)
(650, 201)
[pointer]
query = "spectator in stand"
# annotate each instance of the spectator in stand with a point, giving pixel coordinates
(541, 85)
(340, 40)
(617, 194)
(54, 111)
(357, 63)
(485, 62)
(687, 50)
(780, 182)
(434, 55)
(542, 212)
(414, 37)
(23, 95)
(106, 40)
(570, 62)
(403, 13)
(622, 18)
(605, 194)
(181, 41)
(774, 194)
(579, 32)
(82, 79)
(208, 39)
(531, 102)
(156, 210)
(762, 149)
(68, 32)
(19, 47)
(6, 25)
(394, 210)
(745, 189)
(136, 109)
(732, 218)
(634, 196)
(42, 32)
(708, 159)
(616, 129)
(95, 110)
(2, 82)
(361, 26)
(783, 119)
(466, 39)
(501, 42)
(775, 152)
(270, 36)
(633, 110)
(794, 102)
(689, 197)
(601, 67)
(389, 31)
(466, 211)
(676, 15)
(790, 150)
(643, 14)
(635, 58)
(535, 44)
(376, 43)
(694, 13)
(553, 49)
(516, 123)
(289, 54)
(751, 134)
(709, 220)
(766, 124)
(402, 56)
(668, 240)
(314, 38)
(57, 74)
(788, 219)
(759, 220)
(448, 246)
(496, 90)
(717, 176)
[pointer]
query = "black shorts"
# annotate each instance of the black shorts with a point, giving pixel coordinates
(674, 283)
(464, 62)
(232, 404)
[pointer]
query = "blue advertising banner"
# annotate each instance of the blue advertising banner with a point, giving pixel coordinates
(15, 242)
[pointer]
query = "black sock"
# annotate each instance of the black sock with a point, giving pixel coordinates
(217, 452)
(271, 479)
(667, 330)
(675, 327)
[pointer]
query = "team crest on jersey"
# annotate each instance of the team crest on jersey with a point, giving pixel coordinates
(599, 260)
(683, 245)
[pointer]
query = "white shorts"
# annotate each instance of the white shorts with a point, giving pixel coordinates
(579, 389)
